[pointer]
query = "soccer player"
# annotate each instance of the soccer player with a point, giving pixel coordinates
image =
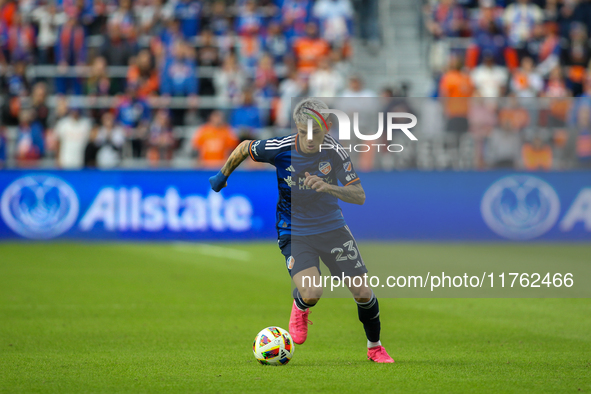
(310, 224)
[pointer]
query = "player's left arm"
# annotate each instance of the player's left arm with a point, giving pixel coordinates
(353, 194)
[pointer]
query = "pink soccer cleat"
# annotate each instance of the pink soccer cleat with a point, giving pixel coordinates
(379, 355)
(298, 324)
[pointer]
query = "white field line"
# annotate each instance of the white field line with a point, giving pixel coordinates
(213, 250)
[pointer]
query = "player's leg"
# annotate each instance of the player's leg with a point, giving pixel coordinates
(305, 294)
(345, 259)
(303, 266)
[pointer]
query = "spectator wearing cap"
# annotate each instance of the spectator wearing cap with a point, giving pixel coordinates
(133, 113)
(214, 141)
(29, 144)
(309, 49)
(70, 51)
(73, 132)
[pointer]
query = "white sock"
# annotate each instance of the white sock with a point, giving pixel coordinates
(373, 344)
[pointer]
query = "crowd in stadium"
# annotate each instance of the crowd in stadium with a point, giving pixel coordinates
(234, 65)
(533, 53)
(87, 83)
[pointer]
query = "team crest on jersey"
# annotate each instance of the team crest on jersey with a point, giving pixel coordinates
(290, 262)
(347, 166)
(324, 167)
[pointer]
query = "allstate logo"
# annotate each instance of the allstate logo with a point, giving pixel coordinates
(39, 207)
(520, 207)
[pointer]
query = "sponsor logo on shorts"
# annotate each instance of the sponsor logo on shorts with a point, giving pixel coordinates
(290, 169)
(358, 265)
(324, 167)
(290, 262)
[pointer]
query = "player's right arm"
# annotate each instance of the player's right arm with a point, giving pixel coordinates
(238, 155)
(262, 151)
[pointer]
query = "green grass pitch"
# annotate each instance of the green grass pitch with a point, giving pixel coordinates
(110, 318)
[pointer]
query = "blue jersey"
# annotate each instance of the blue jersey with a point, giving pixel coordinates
(301, 210)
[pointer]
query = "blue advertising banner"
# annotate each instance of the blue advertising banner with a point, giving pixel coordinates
(178, 205)
(478, 206)
(135, 205)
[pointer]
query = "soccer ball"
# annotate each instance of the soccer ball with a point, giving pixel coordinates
(273, 346)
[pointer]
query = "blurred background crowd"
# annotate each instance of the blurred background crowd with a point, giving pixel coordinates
(178, 83)
(119, 82)
(532, 59)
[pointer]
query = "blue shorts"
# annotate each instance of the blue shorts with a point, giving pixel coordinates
(337, 249)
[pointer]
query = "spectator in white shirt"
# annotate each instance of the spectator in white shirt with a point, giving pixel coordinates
(325, 81)
(335, 17)
(73, 133)
(490, 79)
(49, 20)
(520, 19)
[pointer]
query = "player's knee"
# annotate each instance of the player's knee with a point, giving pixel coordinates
(362, 294)
(311, 296)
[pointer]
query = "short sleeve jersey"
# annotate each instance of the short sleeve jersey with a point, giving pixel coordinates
(301, 210)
